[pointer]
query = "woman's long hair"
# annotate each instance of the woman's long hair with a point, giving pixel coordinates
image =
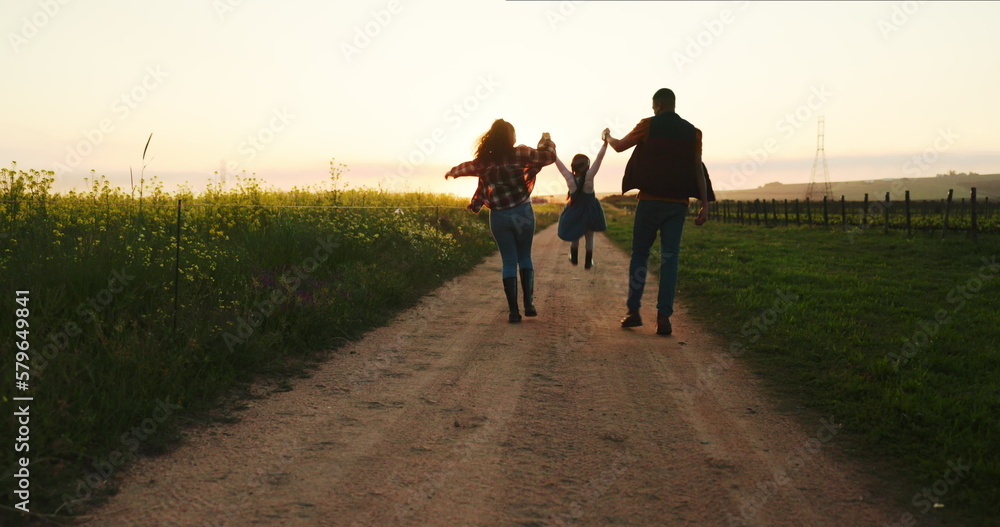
(497, 143)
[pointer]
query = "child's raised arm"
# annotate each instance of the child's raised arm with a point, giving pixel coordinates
(570, 180)
(597, 162)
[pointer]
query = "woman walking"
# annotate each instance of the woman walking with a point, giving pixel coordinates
(583, 215)
(506, 178)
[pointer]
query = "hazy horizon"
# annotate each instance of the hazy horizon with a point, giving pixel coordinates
(399, 91)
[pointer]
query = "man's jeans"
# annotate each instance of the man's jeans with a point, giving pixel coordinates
(668, 219)
(513, 229)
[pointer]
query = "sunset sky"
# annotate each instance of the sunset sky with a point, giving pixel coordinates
(399, 90)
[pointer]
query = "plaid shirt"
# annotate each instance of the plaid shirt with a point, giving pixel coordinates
(509, 184)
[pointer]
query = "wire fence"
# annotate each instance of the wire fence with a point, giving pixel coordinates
(948, 215)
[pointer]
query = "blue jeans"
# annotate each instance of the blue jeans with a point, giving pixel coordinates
(668, 219)
(514, 229)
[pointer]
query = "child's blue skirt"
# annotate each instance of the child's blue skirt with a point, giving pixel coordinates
(583, 214)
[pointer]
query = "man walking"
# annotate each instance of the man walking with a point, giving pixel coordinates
(666, 168)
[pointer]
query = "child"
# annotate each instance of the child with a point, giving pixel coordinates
(583, 215)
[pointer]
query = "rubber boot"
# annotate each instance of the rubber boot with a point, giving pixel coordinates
(574, 255)
(510, 289)
(528, 287)
(589, 262)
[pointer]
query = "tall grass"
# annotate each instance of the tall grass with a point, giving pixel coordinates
(265, 277)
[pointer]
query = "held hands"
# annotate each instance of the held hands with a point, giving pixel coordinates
(606, 134)
(545, 143)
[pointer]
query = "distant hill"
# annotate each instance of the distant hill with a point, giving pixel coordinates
(920, 188)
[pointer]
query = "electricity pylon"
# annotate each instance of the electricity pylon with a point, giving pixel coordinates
(820, 153)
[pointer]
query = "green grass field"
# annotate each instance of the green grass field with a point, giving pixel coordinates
(896, 337)
(267, 282)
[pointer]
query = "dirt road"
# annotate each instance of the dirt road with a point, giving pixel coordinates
(452, 416)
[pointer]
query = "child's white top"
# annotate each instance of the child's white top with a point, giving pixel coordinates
(588, 181)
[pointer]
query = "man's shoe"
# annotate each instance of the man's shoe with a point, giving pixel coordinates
(588, 261)
(574, 255)
(663, 324)
(632, 319)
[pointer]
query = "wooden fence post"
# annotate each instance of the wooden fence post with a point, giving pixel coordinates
(843, 211)
(947, 211)
(887, 205)
(826, 216)
(798, 219)
(864, 212)
(974, 228)
(809, 213)
(909, 227)
(786, 212)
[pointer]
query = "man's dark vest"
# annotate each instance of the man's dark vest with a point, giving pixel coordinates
(666, 163)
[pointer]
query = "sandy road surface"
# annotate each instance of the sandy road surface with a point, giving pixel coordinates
(452, 416)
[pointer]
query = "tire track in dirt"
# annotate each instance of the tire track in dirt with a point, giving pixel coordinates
(452, 416)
